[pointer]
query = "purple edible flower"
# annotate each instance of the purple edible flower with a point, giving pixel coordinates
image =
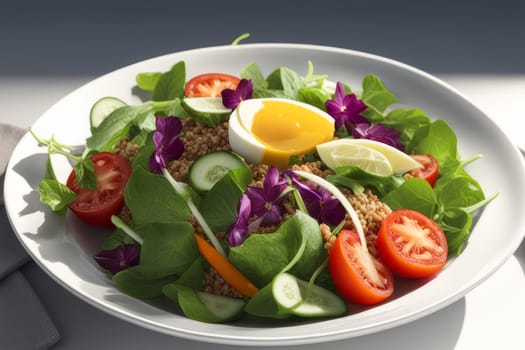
(231, 98)
(345, 109)
(118, 259)
(325, 208)
(378, 132)
(259, 207)
(240, 229)
(319, 202)
(266, 201)
(168, 145)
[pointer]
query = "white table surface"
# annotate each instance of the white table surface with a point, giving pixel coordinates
(492, 316)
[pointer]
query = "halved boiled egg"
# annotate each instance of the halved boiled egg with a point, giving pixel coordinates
(271, 130)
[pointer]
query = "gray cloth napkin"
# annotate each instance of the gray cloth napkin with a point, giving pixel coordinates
(24, 322)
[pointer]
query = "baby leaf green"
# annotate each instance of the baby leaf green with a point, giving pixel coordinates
(219, 205)
(262, 256)
(148, 81)
(377, 97)
(151, 198)
(170, 85)
(142, 282)
(169, 248)
(56, 195)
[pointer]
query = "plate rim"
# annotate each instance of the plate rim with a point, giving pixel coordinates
(249, 340)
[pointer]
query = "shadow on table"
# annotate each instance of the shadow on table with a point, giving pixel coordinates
(439, 330)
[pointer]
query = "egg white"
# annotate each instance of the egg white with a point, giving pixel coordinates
(242, 140)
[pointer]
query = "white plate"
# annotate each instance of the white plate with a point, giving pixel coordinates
(63, 247)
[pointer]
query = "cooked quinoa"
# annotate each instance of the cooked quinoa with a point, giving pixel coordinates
(199, 140)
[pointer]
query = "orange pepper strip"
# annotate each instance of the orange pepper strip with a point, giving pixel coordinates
(229, 272)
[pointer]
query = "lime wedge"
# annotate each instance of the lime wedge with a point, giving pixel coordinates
(337, 154)
(206, 110)
(400, 161)
(351, 151)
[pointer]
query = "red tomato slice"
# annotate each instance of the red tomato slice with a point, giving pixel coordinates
(357, 275)
(430, 169)
(411, 244)
(96, 207)
(210, 85)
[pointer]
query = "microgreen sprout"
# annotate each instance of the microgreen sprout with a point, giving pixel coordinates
(84, 167)
(314, 79)
(240, 38)
(55, 147)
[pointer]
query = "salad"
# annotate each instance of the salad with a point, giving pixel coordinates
(277, 196)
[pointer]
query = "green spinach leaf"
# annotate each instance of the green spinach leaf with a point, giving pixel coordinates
(115, 239)
(219, 205)
(151, 198)
(142, 282)
(313, 96)
(437, 139)
(112, 129)
(170, 85)
(190, 303)
(377, 97)
(414, 194)
(85, 172)
(56, 195)
(263, 304)
(148, 81)
(253, 72)
(169, 248)
(406, 121)
(357, 179)
(262, 256)
(286, 80)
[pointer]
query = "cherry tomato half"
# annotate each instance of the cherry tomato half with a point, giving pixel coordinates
(430, 169)
(210, 85)
(357, 275)
(411, 244)
(96, 207)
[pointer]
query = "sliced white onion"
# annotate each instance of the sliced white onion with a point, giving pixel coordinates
(179, 188)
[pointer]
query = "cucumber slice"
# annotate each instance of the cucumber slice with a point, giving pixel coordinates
(289, 292)
(103, 108)
(223, 307)
(210, 168)
(286, 291)
(206, 110)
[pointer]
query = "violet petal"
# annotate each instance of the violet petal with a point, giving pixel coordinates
(345, 109)
(380, 133)
(168, 145)
(118, 259)
(231, 98)
(239, 230)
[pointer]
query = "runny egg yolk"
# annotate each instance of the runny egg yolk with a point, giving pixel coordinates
(288, 129)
